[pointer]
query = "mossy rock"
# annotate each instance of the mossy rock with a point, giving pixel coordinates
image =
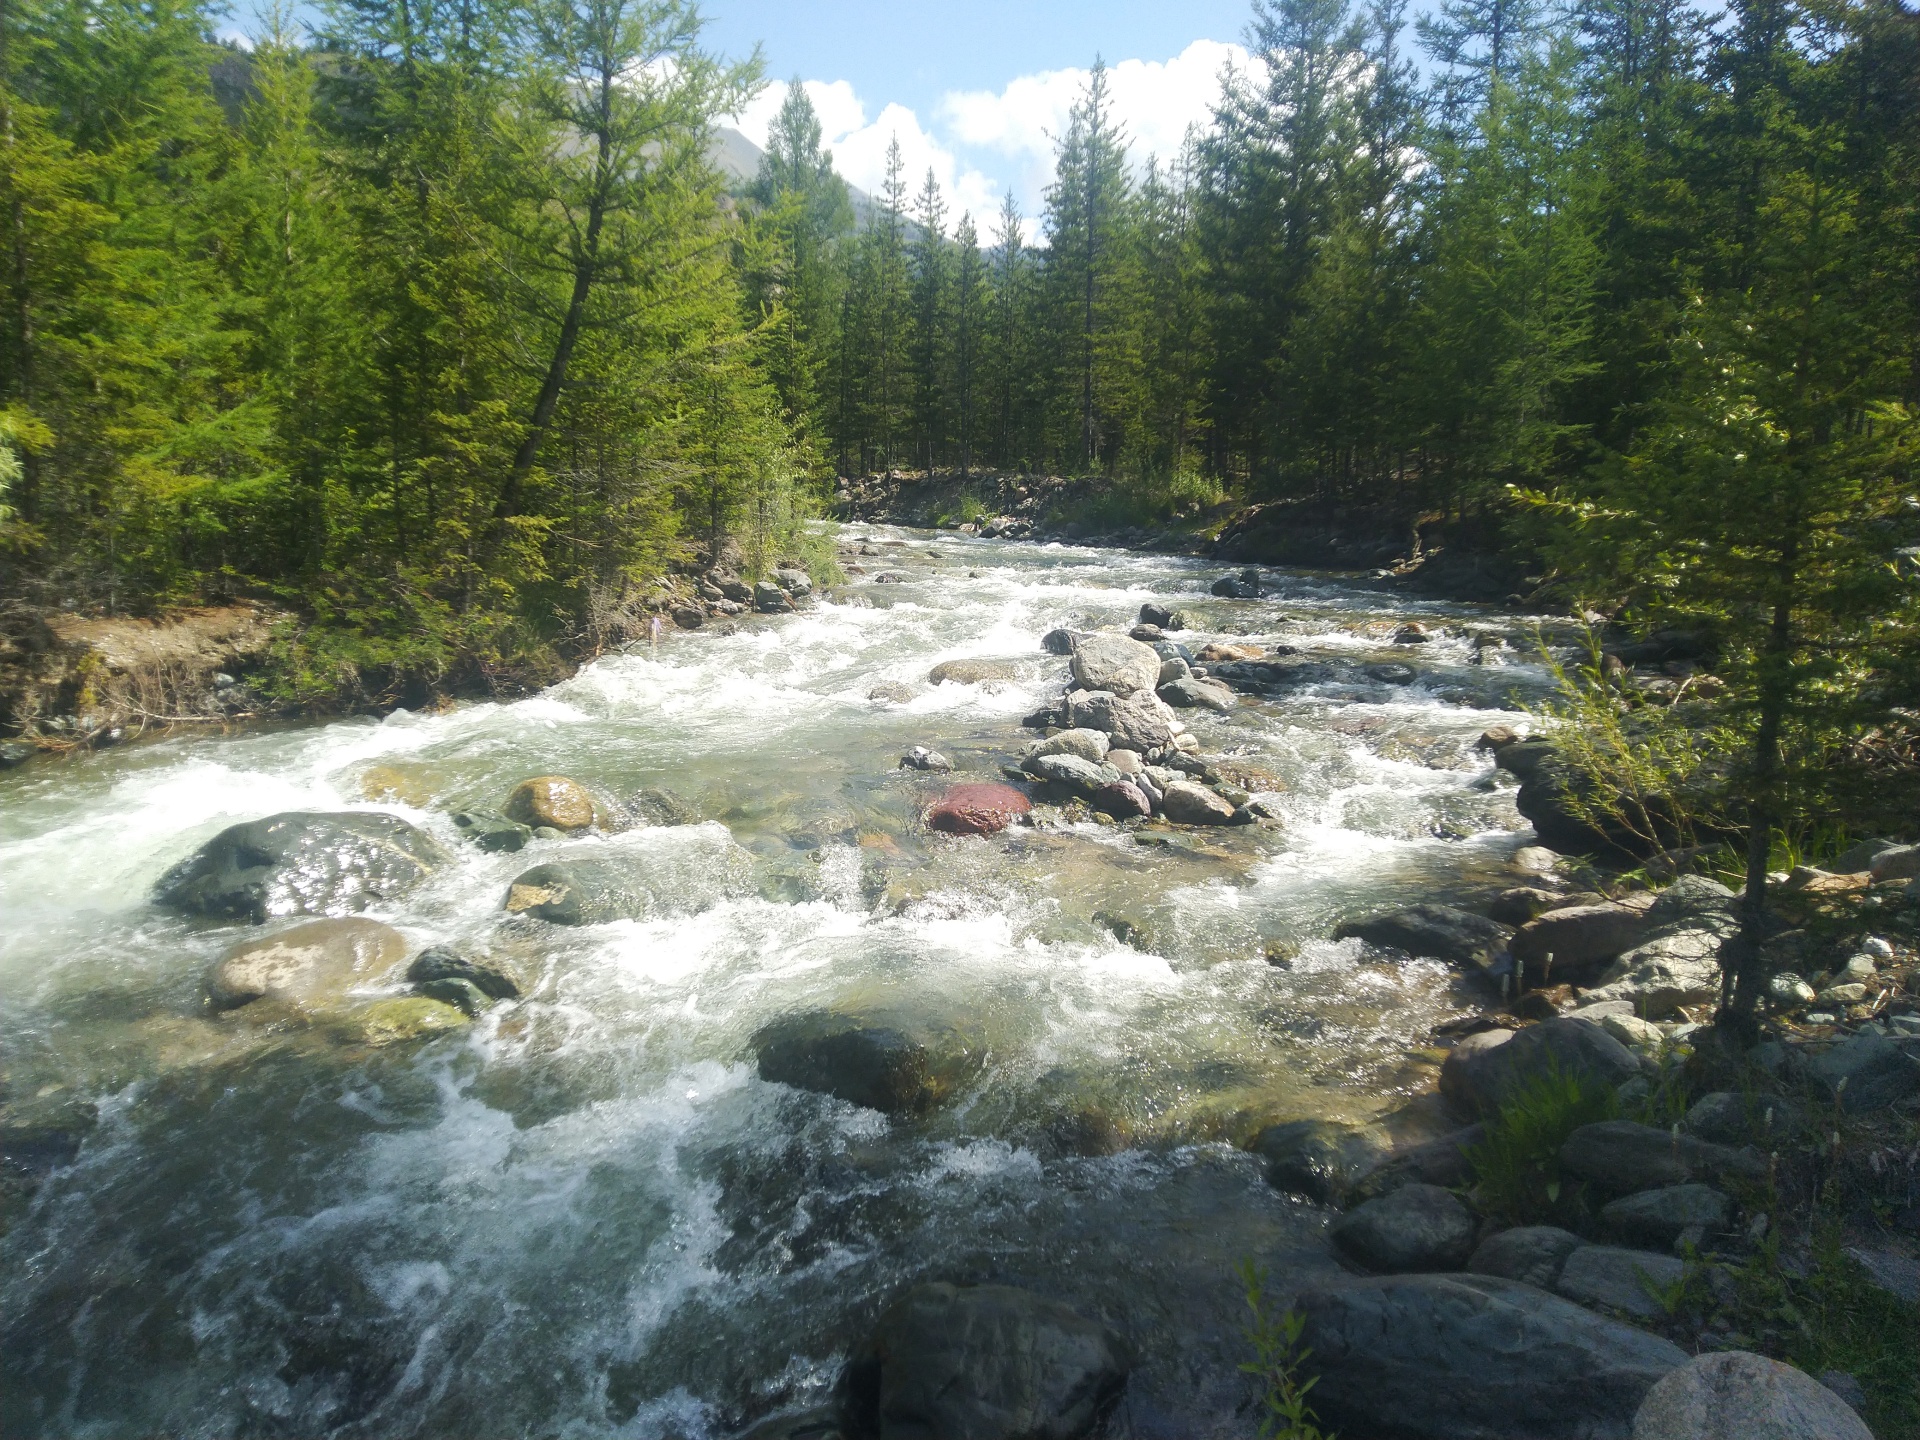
(409, 1017)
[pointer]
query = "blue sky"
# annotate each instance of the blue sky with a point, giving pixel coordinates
(975, 91)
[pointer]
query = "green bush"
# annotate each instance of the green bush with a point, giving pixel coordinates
(1277, 1362)
(1517, 1166)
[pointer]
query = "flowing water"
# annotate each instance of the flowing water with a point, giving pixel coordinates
(586, 1214)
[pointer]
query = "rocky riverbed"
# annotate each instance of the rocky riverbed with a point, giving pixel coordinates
(1063, 925)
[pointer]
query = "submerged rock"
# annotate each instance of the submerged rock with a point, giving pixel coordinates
(301, 863)
(408, 1017)
(1314, 1158)
(972, 671)
(985, 808)
(310, 969)
(1439, 932)
(554, 801)
(490, 832)
(442, 962)
(1733, 1395)
(882, 1058)
(681, 873)
(1474, 1357)
(981, 1362)
(921, 758)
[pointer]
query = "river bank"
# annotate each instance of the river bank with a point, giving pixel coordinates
(632, 1195)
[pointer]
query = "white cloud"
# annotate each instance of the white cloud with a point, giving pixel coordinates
(983, 142)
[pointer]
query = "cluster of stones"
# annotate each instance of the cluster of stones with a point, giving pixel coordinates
(722, 592)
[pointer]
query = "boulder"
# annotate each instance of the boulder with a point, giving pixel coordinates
(1216, 652)
(879, 1057)
(1473, 1357)
(1161, 616)
(1520, 905)
(1726, 1118)
(981, 1362)
(1123, 799)
(921, 758)
(301, 863)
(1415, 1228)
(1133, 722)
(1622, 1157)
(466, 997)
(1115, 663)
(1530, 1253)
(1189, 693)
(1866, 1072)
(494, 978)
(1234, 587)
(1580, 938)
(687, 617)
(977, 809)
(1732, 1395)
(1059, 642)
(796, 583)
(769, 598)
(1441, 1162)
(1088, 744)
(554, 801)
(310, 969)
(1661, 1217)
(1679, 966)
(1438, 932)
(407, 1017)
(490, 832)
(1476, 1077)
(1623, 1280)
(682, 878)
(1900, 862)
(1082, 777)
(1859, 859)
(1690, 898)
(1316, 1159)
(1185, 803)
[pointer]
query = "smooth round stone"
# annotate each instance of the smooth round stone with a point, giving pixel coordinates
(979, 809)
(1733, 1395)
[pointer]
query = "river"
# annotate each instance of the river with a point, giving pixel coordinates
(586, 1215)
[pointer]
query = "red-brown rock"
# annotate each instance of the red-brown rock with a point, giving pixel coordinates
(984, 809)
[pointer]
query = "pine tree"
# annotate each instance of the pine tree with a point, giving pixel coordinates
(969, 318)
(928, 347)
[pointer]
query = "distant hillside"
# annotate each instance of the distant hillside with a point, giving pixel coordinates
(738, 158)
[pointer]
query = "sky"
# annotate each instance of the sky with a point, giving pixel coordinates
(977, 91)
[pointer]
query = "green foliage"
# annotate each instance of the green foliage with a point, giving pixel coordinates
(1517, 1165)
(1277, 1365)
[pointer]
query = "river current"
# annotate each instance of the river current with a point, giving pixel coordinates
(586, 1214)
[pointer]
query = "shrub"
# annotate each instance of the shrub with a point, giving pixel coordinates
(1277, 1362)
(1517, 1166)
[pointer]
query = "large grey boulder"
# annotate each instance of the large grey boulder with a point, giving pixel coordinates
(884, 1058)
(1866, 1072)
(1477, 1077)
(1623, 1280)
(1622, 1157)
(1579, 938)
(1732, 1395)
(1440, 1162)
(1083, 777)
(1417, 1227)
(491, 977)
(981, 1362)
(1115, 663)
(1661, 1217)
(1474, 1357)
(1439, 932)
(1188, 692)
(1678, 966)
(1530, 1253)
(1139, 722)
(1089, 745)
(302, 863)
(1187, 803)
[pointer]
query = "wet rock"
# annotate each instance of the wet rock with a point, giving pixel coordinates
(1416, 1228)
(466, 997)
(1623, 1280)
(1122, 799)
(490, 832)
(1660, 1217)
(1090, 745)
(15, 753)
(1392, 674)
(986, 808)
(678, 878)
(554, 801)
(1521, 904)
(1621, 1157)
(1185, 803)
(1732, 1395)
(301, 863)
(1244, 586)
(1474, 1357)
(1116, 664)
(1147, 634)
(491, 977)
(1082, 777)
(660, 807)
(310, 969)
(921, 758)
(1132, 722)
(1412, 633)
(1531, 1253)
(1438, 932)
(1059, 642)
(1161, 616)
(973, 672)
(1580, 938)
(687, 617)
(796, 583)
(409, 1017)
(1218, 653)
(883, 1059)
(770, 599)
(981, 1362)
(1440, 1162)
(1866, 1072)
(821, 1422)
(1482, 1070)
(1317, 1159)
(1187, 693)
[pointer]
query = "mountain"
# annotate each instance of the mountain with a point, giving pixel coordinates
(738, 158)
